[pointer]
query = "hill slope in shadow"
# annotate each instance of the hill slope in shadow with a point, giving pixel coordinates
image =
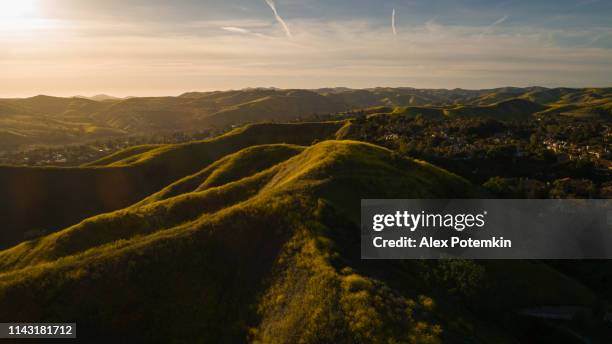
(37, 200)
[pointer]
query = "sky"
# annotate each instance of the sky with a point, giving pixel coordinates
(154, 47)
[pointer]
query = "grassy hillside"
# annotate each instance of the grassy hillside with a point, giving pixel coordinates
(44, 120)
(214, 109)
(270, 255)
(598, 109)
(34, 201)
(230, 168)
(57, 107)
(426, 112)
(292, 105)
(11, 140)
(514, 109)
(123, 154)
(508, 110)
(568, 95)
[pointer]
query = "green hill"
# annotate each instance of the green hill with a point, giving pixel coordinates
(598, 109)
(214, 109)
(425, 112)
(568, 95)
(270, 254)
(58, 107)
(514, 109)
(230, 168)
(123, 154)
(44, 120)
(34, 201)
(288, 106)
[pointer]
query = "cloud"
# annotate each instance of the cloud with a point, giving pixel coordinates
(393, 28)
(242, 31)
(236, 29)
(149, 59)
(279, 18)
(490, 27)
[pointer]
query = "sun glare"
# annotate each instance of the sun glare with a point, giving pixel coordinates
(13, 10)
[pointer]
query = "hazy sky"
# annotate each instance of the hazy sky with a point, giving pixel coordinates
(154, 47)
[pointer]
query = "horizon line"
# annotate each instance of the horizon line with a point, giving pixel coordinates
(177, 94)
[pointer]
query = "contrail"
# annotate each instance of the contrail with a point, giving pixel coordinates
(498, 21)
(236, 29)
(278, 17)
(490, 27)
(243, 31)
(393, 23)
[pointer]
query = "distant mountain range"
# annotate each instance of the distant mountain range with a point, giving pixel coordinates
(53, 120)
(101, 97)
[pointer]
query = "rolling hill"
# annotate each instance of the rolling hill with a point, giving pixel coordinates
(425, 112)
(214, 109)
(262, 246)
(45, 120)
(29, 195)
(507, 110)
(57, 107)
(514, 109)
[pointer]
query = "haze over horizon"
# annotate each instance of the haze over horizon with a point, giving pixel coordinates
(153, 48)
(176, 94)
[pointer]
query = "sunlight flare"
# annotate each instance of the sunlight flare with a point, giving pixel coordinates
(14, 10)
